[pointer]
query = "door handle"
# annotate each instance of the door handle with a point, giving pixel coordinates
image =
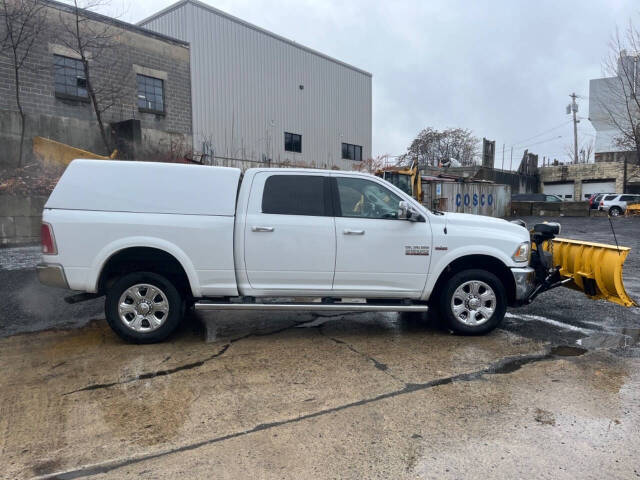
(262, 229)
(348, 231)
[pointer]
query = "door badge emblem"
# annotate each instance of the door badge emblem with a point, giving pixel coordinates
(416, 250)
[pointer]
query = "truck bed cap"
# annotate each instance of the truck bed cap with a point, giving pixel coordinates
(146, 187)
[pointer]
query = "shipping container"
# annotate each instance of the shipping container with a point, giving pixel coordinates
(478, 198)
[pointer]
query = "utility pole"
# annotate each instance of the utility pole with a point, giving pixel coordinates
(503, 156)
(574, 109)
(511, 161)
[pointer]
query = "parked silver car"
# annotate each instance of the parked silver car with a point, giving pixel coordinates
(616, 204)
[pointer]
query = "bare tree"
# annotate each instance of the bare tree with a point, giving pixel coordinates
(585, 152)
(91, 41)
(23, 22)
(433, 147)
(620, 99)
(372, 165)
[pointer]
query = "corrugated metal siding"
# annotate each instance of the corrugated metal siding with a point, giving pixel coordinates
(477, 198)
(245, 90)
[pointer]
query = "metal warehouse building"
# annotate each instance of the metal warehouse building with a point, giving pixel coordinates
(260, 99)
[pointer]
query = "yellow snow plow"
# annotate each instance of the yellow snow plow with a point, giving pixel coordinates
(595, 268)
(51, 151)
(592, 268)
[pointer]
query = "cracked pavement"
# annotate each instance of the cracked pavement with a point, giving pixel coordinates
(554, 393)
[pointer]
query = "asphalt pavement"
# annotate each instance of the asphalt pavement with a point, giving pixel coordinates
(553, 393)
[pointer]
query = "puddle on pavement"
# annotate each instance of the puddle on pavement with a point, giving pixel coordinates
(557, 351)
(567, 351)
(627, 337)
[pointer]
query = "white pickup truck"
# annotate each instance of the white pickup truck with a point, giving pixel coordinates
(156, 238)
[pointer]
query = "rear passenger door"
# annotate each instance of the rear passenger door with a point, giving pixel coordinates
(290, 239)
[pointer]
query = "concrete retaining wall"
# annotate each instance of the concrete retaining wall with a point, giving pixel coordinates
(20, 219)
(550, 209)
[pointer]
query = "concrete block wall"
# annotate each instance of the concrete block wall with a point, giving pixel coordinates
(584, 171)
(70, 121)
(20, 219)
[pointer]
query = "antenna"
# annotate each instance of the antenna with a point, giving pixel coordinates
(614, 233)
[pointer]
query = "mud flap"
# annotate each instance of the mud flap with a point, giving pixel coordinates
(595, 268)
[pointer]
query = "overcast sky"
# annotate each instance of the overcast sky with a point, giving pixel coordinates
(503, 69)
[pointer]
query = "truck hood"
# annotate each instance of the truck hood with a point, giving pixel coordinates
(484, 222)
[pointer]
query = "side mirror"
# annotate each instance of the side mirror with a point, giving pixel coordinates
(403, 210)
(406, 212)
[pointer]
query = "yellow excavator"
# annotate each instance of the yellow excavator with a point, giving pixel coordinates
(406, 179)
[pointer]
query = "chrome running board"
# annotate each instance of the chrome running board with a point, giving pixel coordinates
(313, 307)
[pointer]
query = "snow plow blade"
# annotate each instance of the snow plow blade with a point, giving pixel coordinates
(595, 268)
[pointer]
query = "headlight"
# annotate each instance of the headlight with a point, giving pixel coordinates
(522, 252)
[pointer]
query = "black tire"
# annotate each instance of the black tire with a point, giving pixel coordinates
(615, 211)
(169, 323)
(459, 279)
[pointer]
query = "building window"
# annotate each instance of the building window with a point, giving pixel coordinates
(69, 77)
(292, 142)
(150, 94)
(351, 152)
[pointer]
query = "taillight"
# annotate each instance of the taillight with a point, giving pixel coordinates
(602, 203)
(48, 240)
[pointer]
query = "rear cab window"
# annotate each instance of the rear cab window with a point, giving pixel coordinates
(297, 195)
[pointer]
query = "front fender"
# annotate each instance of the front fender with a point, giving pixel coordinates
(439, 264)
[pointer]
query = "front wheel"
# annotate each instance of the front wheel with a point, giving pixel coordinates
(473, 302)
(143, 307)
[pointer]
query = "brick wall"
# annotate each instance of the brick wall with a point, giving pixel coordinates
(134, 51)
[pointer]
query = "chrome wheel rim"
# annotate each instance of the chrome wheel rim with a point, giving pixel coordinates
(143, 308)
(614, 212)
(473, 303)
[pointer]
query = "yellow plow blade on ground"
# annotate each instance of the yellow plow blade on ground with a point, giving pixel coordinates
(51, 151)
(633, 209)
(596, 268)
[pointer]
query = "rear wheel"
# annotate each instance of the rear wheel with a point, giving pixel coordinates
(473, 302)
(615, 211)
(143, 307)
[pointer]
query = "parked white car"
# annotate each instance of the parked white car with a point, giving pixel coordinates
(616, 204)
(157, 237)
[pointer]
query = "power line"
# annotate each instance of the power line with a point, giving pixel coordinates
(540, 142)
(515, 144)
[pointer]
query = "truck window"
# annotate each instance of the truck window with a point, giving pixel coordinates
(366, 199)
(294, 195)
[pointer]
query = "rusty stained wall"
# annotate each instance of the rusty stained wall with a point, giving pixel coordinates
(479, 198)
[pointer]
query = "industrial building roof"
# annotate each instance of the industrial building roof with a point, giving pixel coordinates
(211, 9)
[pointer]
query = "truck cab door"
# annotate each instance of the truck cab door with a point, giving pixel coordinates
(377, 253)
(289, 234)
